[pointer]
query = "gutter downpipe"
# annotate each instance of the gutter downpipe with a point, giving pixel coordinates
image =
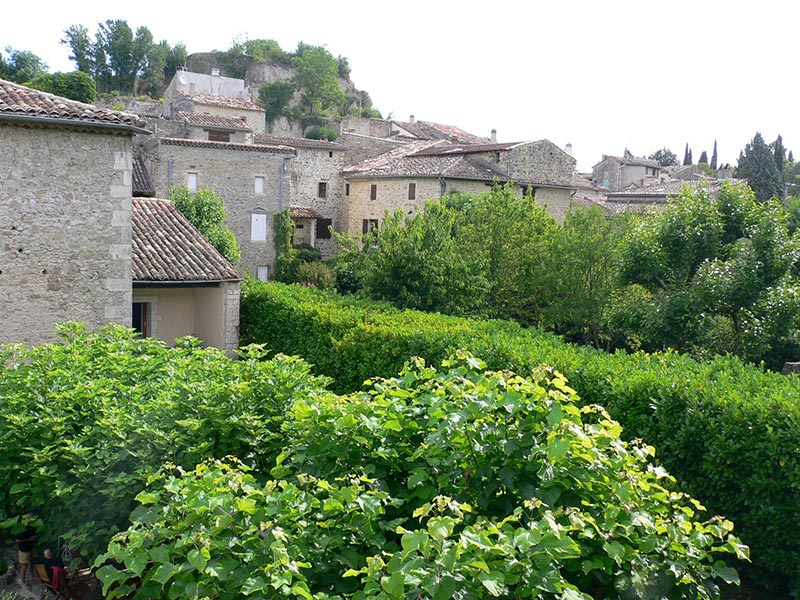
(283, 176)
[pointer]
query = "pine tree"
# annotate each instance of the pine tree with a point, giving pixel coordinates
(714, 157)
(757, 165)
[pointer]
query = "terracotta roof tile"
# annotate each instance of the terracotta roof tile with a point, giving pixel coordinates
(302, 212)
(142, 182)
(222, 101)
(425, 130)
(264, 138)
(167, 247)
(410, 160)
(228, 146)
(214, 121)
(20, 101)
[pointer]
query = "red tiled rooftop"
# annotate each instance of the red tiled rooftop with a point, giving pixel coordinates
(20, 101)
(215, 121)
(167, 247)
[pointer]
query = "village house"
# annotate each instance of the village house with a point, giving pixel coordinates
(74, 242)
(181, 284)
(618, 172)
(403, 178)
(65, 213)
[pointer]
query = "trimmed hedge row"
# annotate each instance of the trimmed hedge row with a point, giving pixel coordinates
(728, 432)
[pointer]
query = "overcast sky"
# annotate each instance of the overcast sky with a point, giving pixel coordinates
(603, 76)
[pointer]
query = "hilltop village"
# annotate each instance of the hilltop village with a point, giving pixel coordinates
(70, 254)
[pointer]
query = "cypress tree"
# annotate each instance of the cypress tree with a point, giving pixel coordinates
(687, 155)
(780, 156)
(714, 157)
(703, 158)
(757, 165)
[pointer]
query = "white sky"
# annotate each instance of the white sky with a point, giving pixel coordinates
(601, 75)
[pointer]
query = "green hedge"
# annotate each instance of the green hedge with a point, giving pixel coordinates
(730, 433)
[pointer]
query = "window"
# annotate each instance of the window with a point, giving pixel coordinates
(191, 182)
(258, 227)
(259, 185)
(373, 191)
(346, 189)
(322, 189)
(369, 226)
(323, 229)
(141, 318)
(330, 154)
(262, 272)
(219, 136)
(412, 191)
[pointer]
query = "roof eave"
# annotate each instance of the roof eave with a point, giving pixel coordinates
(33, 119)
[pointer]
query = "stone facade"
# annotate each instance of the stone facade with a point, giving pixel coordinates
(359, 147)
(65, 230)
(392, 194)
(616, 173)
(539, 162)
(231, 170)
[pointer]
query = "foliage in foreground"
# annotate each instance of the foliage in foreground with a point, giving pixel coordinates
(434, 484)
(729, 432)
(85, 422)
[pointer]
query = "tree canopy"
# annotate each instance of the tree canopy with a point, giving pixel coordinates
(757, 164)
(206, 211)
(665, 157)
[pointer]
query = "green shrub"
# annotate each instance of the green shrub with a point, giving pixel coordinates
(315, 274)
(437, 483)
(307, 253)
(728, 432)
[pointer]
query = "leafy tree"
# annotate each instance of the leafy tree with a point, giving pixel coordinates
(23, 66)
(687, 156)
(713, 164)
(76, 85)
(757, 165)
(780, 156)
(703, 158)
(587, 247)
(415, 262)
(665, 157)
(123, 61)
(713, 275)
(317, 79)
(206, 211)
(77, 38)
(275, 97)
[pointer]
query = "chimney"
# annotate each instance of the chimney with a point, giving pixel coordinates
(411, 119)
(568, 148)
(215, 72)
(494, 136)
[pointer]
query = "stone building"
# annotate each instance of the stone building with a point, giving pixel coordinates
(314, 188)
(405, 177)
(251, 178)
(618, 172)
(181, 284)
(65, 213)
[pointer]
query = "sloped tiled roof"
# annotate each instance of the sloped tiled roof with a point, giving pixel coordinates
(214, 121)
(222, 101)
(142, 182)
(18, 101)
(425, 130)
(664, 189)
(265, 138)
(167, 247)
(302, 212)
(466, 149)
(227, 146)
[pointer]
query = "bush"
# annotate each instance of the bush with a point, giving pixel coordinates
(308, 253)
(322, 132)
(315, 274)
(730, 433)
(437, 483)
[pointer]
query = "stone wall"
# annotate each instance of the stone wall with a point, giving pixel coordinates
(230, 170)
(311, 167)
(65, 230)
(358, 147)
(541, 162)
(392, 194)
